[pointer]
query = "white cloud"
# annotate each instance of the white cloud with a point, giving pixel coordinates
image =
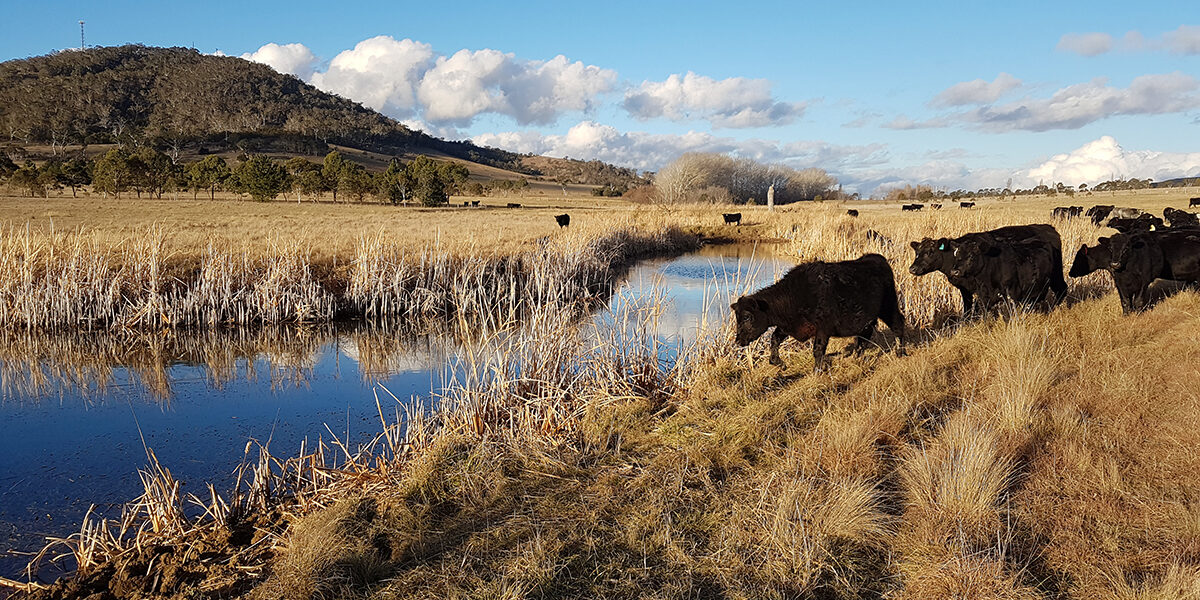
(1185, 40)
(469, 83)
(736, 102)
(1104, 159)
(593, 141)
(1086, 44)
(293, 59)
(977, 91)
(381, 72)
(903, 122)
(1077, 105)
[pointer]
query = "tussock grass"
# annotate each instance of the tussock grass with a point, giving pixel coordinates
(1044, 455)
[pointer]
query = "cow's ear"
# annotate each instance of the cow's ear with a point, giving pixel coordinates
(760, 304)
(915, 245)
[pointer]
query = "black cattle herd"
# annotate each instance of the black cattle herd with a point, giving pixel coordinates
(1021, 264)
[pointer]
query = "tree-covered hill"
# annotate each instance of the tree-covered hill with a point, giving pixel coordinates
(178, 98)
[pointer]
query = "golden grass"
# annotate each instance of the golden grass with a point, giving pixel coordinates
(1046, 455)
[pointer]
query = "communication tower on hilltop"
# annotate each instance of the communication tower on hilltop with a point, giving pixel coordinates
(81, 44)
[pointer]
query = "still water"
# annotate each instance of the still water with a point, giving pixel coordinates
(78, 411)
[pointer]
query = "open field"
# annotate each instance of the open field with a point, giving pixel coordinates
(1038, 456)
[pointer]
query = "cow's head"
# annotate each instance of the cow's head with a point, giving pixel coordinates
(970, 255)
(1125, 249)
(750, 319)
(931, 255)
(1091, 258)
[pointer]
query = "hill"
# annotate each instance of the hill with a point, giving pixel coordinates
(180, 99)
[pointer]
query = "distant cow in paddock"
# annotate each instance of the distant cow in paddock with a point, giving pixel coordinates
(936, 206)
(1099, 212)
(733, 218)
(1193, 202)
(1144, 222)
(564, 220)
(466, 203)
(1180, 218)
(513, 205)
(474, 203)
(1138, 259)
(966, 205)
(1067, 212)
(912, 207)
(820, 300)
(852, 213)
(939, 255)
(1126, 213)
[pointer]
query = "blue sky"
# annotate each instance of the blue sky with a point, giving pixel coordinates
(952, 94)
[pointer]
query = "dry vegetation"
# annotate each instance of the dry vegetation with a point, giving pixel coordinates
(1038, 456)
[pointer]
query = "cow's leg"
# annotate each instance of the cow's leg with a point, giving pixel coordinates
(777, 338)
(820, 361)
(894, 319)
(863, 339)
(967, 301)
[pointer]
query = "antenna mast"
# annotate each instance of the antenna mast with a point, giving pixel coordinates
(81, 44)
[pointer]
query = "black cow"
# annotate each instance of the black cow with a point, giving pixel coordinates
(733, 218)
(936, 206)
(1067, 212)
(912, 207)
(564, 220)
(852, 212)
(1138, 259)
(1144, 222)
(466, 203)
(1021, 270)
(966, 205)
(938, 255)
(514, 205)
(1180, 218)
(1132, 284)
(820, 300)
(1089, 259)
(474, 203)
(1193, 202)
(1099, 212)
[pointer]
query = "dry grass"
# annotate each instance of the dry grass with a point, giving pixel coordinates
(1039, 456)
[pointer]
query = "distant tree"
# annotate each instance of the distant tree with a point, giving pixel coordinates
(262, 178)
(355, 181)
(395, 184)
(208, 173)
(152, 171)
(331, 171)
(7, 166)
(113, 172)
(76, 173)
(454, 175)
(26, 179)
(429, 187)
(306, 176)
(50, 177)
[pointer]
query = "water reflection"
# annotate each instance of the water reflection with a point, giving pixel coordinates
(77, 407)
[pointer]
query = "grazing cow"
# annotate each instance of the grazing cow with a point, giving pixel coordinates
(1067, 212)
(1193, 202)
(1126, 213)
(1099, 212)
(1132, 284)
(936, 206)
(514, 205)
(466, 203)
(966, 205)
(1180, 218)
(938, 255)
(912, 207)
(852, 212)
(1021, 270)
(733, 219)
(820, 300)
(1140, 258)
(1144, 222)
(564, 220)
(474, 203)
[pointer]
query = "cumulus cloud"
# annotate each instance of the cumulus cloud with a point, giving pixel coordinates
(1086, 44)
(464, 85)
(1183, 40)
(293, 59)
(594, 141)
(1077, 105)
(736, 102)
(977, 91)
(1104, 159)
(407, 79)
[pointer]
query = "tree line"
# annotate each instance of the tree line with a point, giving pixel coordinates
(710, 177)
(151, 172)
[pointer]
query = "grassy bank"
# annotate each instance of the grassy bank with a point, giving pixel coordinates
(1041, 456)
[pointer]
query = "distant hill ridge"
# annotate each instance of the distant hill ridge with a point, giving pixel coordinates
(173, 97)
